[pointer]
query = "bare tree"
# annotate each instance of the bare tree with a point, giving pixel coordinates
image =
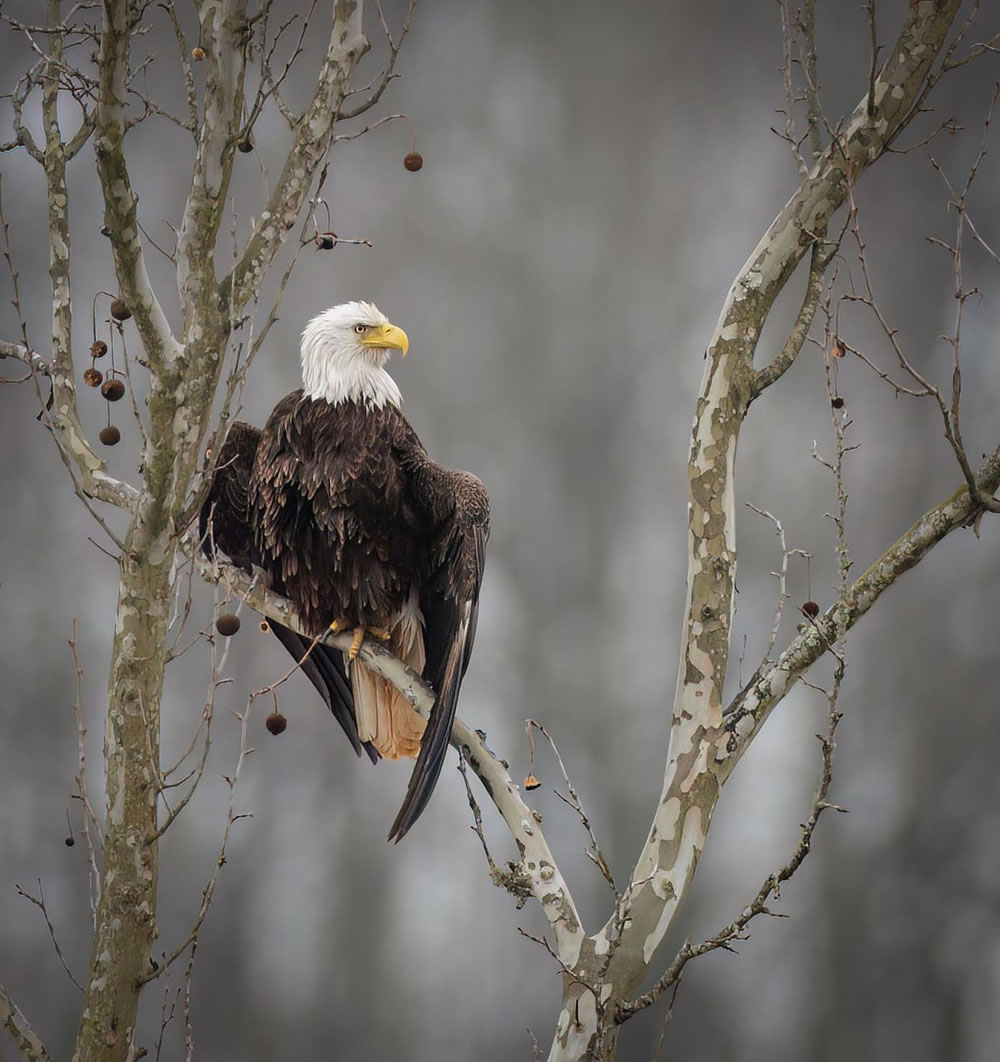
(192, 370)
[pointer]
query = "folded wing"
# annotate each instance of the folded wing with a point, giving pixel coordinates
(224, 526)
(456, 507)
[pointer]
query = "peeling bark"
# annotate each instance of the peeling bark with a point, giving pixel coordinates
(706, 739)
(185, 375)
(15, 1024)
(701, 755)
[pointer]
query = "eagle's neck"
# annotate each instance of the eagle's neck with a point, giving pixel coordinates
(345, 376)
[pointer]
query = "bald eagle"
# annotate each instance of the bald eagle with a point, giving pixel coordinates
(339, 504)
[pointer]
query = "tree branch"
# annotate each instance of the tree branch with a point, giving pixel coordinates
(752, 705)
(614, 961)
(310, 143)
(120, 219)
(224, 36)
(547, 883)
(16, 1024)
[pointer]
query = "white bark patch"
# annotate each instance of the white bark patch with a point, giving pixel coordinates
(729, 511)
(715, 388)
(692, 842)
(698, 768)
(664, 829)
(701, 661)
(576, 1032)
(661, 885)
(667, 819)
(124, 613)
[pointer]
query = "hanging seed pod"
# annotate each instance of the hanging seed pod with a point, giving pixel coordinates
(198, 53)
(69, 842)
(110, 435)
(120, 310)
(326, 241)
(245, 145)
(276, 723)
(227, 624)
(531, 782)
(414, 161)
(92, 377)
(98, 348)
(113, 389)
(837, 403)
(811, 609)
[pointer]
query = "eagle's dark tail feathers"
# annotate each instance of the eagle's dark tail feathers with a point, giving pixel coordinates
(324, 667)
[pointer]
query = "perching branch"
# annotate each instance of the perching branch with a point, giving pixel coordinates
(538, 864)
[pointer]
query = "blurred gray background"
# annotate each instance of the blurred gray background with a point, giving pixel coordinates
(594, 177)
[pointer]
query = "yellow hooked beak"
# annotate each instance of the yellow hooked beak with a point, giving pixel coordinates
(387, 336)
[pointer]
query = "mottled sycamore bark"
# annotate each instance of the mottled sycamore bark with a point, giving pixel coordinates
(185, 370)
(602, 970)
(702, 751)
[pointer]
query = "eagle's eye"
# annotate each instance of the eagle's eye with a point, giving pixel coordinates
(361, 329)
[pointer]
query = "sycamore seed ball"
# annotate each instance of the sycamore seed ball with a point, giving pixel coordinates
(112, 389)
(227, 624)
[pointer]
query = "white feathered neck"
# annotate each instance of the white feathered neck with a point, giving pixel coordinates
(337, 367)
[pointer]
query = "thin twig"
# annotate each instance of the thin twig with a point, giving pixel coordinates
(594, 853)
(39, 902)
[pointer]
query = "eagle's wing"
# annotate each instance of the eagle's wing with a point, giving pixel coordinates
(224, 520)
(457, 509)
(224, 524)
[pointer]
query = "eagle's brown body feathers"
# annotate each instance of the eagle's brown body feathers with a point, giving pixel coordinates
(334, 521)
(351, 520)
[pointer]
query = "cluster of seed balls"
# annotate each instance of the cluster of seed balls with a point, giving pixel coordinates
(112, 388)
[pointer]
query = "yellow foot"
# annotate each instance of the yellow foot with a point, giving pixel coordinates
(382, 633)
(339, 625)
(356, 640)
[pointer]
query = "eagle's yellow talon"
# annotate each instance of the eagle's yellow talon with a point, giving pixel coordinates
(339, 625)
(382, 633)
(356, 640)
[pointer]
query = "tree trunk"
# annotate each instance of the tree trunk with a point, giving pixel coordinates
(126, 915)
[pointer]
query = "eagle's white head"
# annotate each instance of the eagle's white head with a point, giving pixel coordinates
(344, 351)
